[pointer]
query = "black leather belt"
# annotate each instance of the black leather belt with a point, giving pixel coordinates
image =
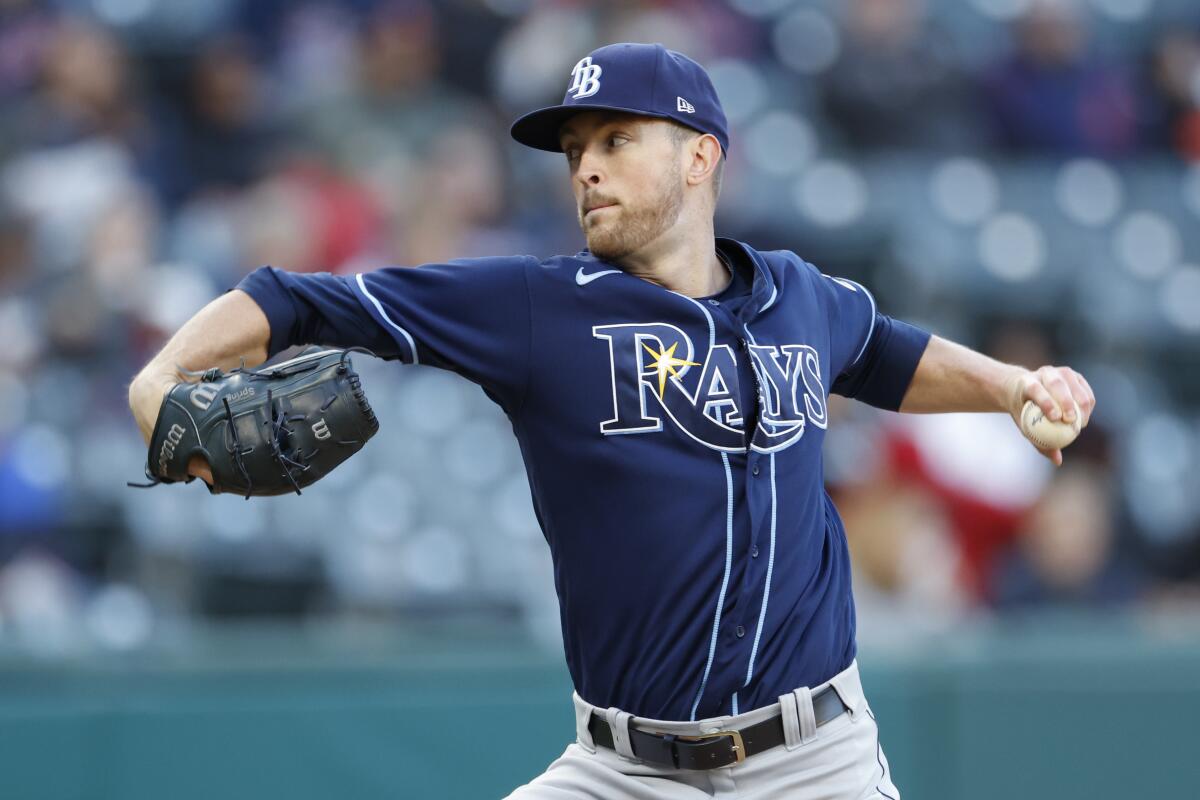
(717, 749)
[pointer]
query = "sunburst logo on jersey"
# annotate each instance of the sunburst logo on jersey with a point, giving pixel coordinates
(665, 363)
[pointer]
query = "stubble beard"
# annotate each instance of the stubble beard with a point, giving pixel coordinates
(636, 226)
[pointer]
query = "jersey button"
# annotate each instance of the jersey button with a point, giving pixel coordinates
(754, 551)
(755, 470)
(740, 631)
(712, 302)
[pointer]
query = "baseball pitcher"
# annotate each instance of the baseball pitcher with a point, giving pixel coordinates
(669, 390)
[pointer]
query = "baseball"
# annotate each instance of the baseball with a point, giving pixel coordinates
(1045, 433)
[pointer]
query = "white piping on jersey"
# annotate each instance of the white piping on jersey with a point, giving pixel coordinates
(849, 284)
(771, 299)
(712, 328)
(712, 644)
(379, 307)
(712, 648)
(762, 612)
(302, 357)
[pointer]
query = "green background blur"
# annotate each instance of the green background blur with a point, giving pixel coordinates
(1060, 710)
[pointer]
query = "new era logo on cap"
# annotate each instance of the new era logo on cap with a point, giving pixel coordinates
(684, 105)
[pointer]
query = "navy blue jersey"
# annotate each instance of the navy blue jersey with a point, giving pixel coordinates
(701, 568)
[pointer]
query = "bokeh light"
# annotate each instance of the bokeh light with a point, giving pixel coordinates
(1148, 244)
(831, 193)
(1124, 10)
(1012, 247)
(964, 190)
(739, 81)
(1002, 9)
(761, 8)
(806, 40)
(1181, 298)
(780, 143)
(1088, 191)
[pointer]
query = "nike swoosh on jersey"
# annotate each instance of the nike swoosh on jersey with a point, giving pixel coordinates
(583, 279)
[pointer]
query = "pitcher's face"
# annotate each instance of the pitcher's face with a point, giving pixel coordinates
(627, 179)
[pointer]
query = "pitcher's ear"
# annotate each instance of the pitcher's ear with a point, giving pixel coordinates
(705, 153)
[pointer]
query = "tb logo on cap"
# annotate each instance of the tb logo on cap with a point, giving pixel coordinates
(585, 79)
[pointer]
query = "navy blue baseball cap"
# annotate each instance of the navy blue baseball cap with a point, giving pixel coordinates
(645, 79)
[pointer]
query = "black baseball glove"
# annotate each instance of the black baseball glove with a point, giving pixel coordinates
(267, 431)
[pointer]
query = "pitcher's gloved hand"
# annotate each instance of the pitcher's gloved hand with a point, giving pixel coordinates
(263, 431)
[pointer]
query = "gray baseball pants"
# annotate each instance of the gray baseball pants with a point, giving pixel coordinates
(841, 760)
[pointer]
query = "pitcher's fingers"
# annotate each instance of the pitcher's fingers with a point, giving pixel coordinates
(1082, 394)
(1035, 391)
(1091, 392)
(1052, 378)
(1054, 455)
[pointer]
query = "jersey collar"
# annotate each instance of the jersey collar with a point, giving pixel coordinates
(763, 290)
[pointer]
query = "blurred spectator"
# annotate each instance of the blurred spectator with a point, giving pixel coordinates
(1175, 75)
(15, 264)
(458, 202)
(25, 29)
(86, 92)
(84, 88)
(398, 107)
(1066, 553)
(1053, 95)
(227, 128)
(307, 216)
(895, 84)
(84, 140)
(978, 470)
(387, 131)
(907, 562)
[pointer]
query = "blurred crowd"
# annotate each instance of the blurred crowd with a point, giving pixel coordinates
(1019, 175)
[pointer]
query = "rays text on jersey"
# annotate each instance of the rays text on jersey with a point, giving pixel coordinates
(652, 375)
